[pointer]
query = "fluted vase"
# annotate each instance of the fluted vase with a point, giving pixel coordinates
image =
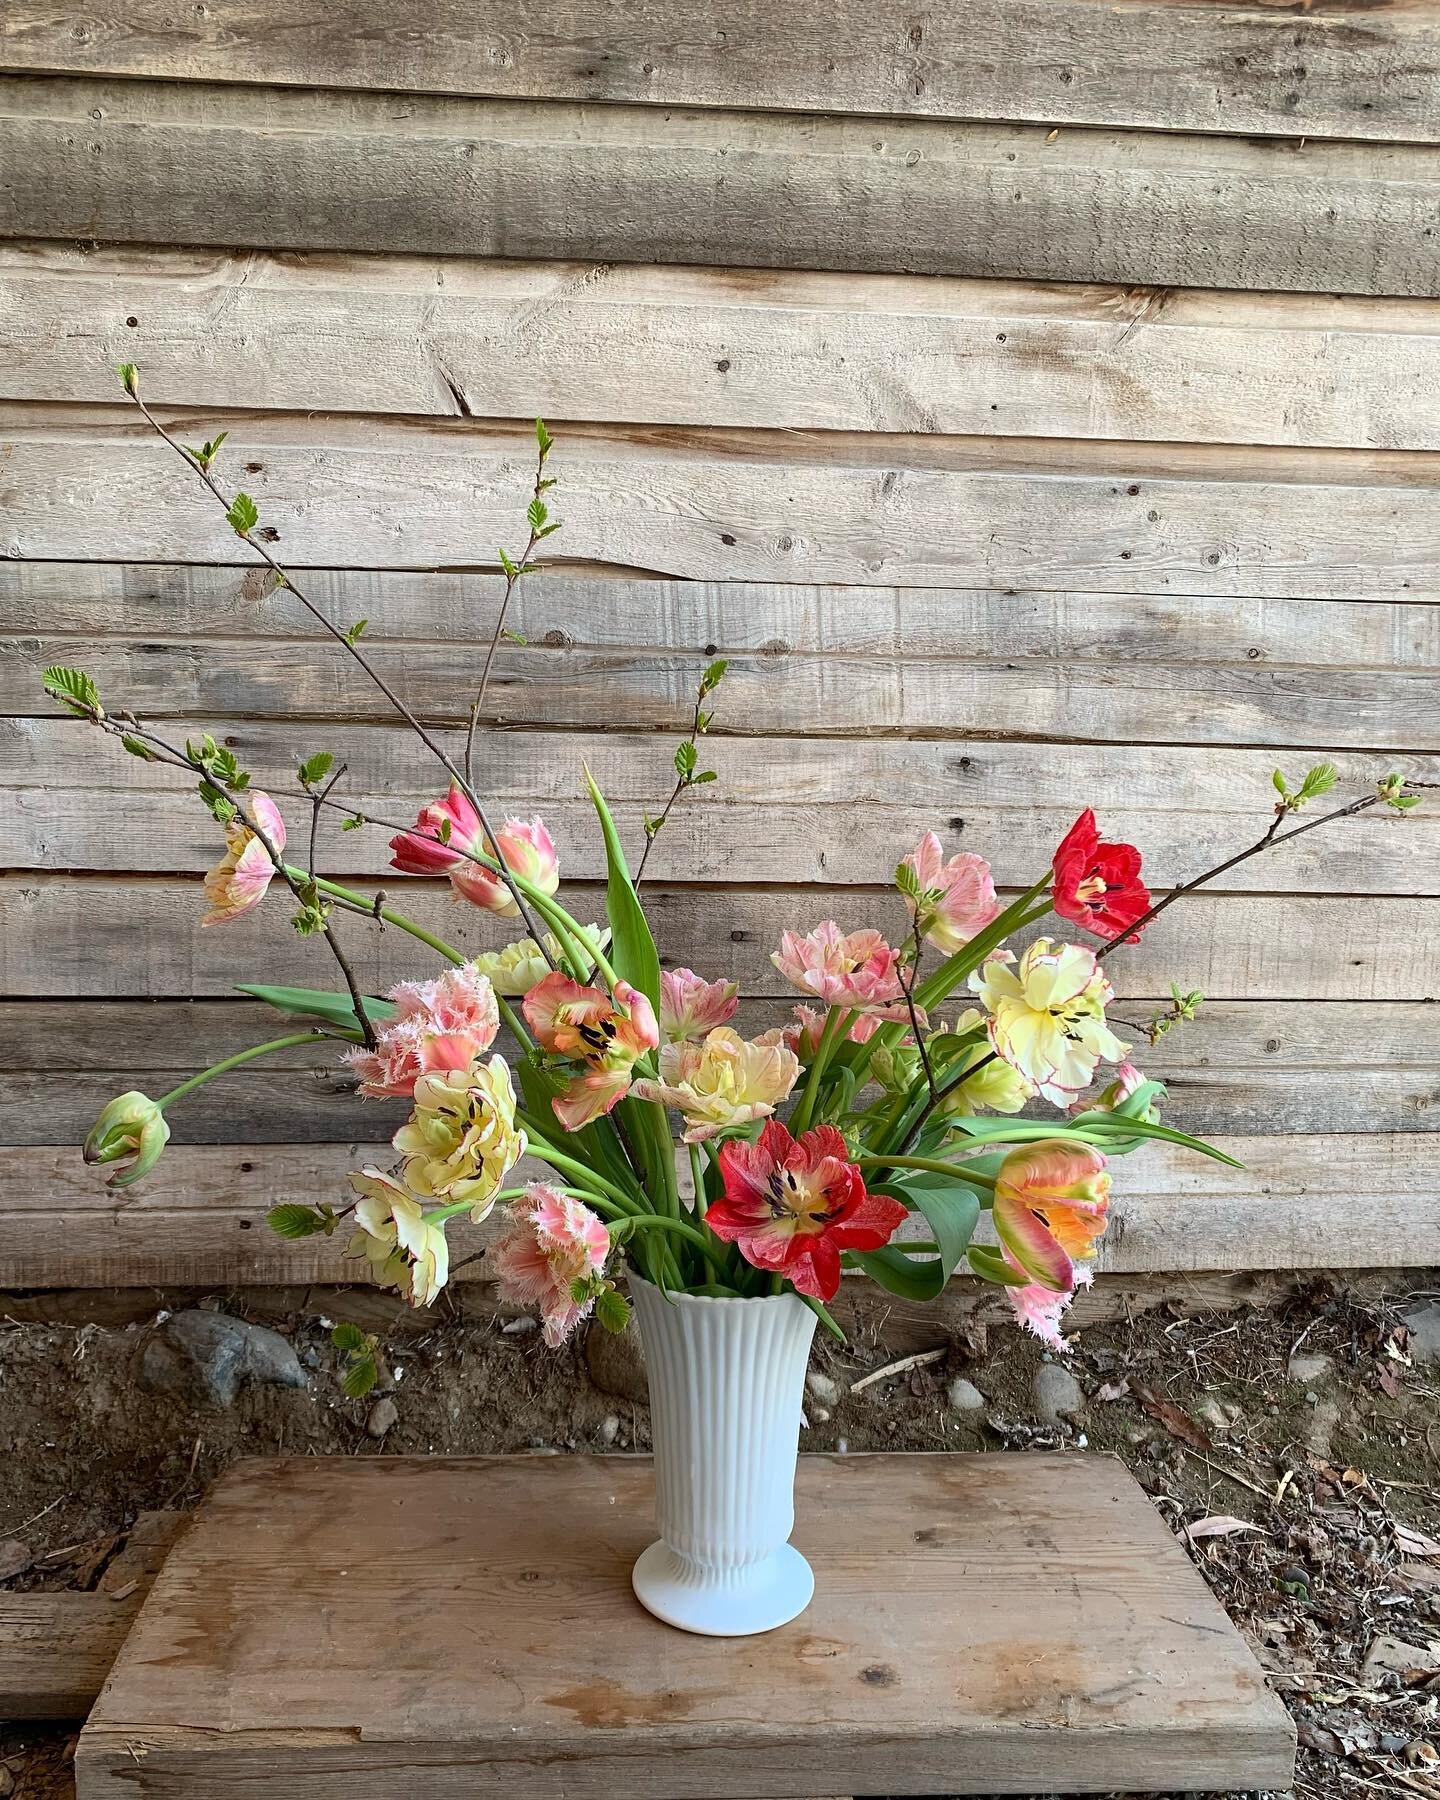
(727, 1381)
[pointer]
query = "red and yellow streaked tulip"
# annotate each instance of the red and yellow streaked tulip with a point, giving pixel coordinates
(603, 1036)
(1050, 1207)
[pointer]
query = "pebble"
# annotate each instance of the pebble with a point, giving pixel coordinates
(616, 1361)
(1424, 1327)
(208, 1355)
(822, 1387)
(520, 1327)
(819, 1415)
(609, 1428)
(1057, 1393)
(1308, 1370)
(1320, 1427)
(383, 1415)
(964, 1396)
(1219, 1415)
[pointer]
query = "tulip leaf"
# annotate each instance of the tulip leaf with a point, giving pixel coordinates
(951, 1210)
(315, 1003)
(990, 1265)
(1115, 1125)
(632, 948)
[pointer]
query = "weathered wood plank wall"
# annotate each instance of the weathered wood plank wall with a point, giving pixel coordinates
(1035, 401)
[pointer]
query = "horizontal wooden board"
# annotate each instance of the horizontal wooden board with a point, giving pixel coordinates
(515, 178)
(814, 810)
(1337, 71)
(1240, 1068)
(198, 1218)
(739, 347)
(827, 507)
(139, 936)
(218, 643)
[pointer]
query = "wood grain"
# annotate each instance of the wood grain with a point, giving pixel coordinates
(1346, 71)
(821, 810)
(1006, 1569)
(729, 347)
(214, 644)
(139, 936)
(560, 179)
(870, 509)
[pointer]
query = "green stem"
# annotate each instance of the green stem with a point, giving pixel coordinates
(245, 1056)
(931, 1165)
(697, 1177)
(837, 1022)
(661, 1222)
(567, 1165)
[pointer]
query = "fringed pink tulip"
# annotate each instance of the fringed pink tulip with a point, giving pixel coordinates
(239, 880)
(556, 1245)
(803, 1037)
(793, 1204)
(1051, 1200)
(524, 846)
(857, 970)
(691, 1007)
(963, 899)
(443, 1024)
(604, 1038)
(1040, 1309)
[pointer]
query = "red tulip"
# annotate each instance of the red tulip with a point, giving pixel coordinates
(1098, 885)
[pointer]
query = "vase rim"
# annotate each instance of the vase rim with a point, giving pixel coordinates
(635, 1279)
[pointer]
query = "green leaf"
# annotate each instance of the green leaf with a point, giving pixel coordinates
(353, 823)
(1319, 780)
(704, 776)
(129, 378)
(1278, 781)
(315, 1003)
(612, 1310)
(1116, 1124)
(543, 438)
(990, 1265)
(713, 676)
(952, 1212)
(348, 1336)
(294, 1221)
(632, 948)
(537, 513)
(685, 758)
(137, 748)
(75, 689)
(243, 514)
(315, 768)
(359, 1378)
(356, 632)
(508, 565)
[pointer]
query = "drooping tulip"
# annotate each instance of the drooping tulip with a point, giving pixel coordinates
(1050, 1207)
(242, 875)
(131, 1129)
(403, 1248)
(447, 836)
(857, 970)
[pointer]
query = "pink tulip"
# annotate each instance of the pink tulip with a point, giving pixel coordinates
(1039, 1309)
(858, 971)
(525, 847)
(965, 900)
(602, 1037)
(1051, 1201)
(691, 1007)
(442, 1024)
(803, 1037)
(239, 880)
(557, 1242)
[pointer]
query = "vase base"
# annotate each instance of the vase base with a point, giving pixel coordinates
(754, 1599)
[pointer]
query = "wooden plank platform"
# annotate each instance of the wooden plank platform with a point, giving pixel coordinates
(982, 1624)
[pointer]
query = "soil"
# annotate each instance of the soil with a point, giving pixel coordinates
(1293, 1448)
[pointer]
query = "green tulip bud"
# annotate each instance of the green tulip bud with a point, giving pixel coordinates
(132, 1126)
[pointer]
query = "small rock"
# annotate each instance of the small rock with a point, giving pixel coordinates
(1320, 1427)
(1392, 1656)
(616, 1361)
(964, 1396)
(822, 1387)
(15, 1557)
(1217, 1414)
(1058, 1394)
(819, 1415)
(1421, 1755)
(209, 1355)
(383, 1415)
(7, 1781)
(1423, 1324)
(609, 1428)
(520, 1327)
(1307, 1371)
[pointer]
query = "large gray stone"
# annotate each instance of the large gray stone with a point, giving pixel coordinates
(616, 1361)
(208, 1356)
(1424, 1325)
(1058, 1395)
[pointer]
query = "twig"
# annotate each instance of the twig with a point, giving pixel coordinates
(346, 642)
(317, 800)
(908, 989)
(685, 759)
(917, 1361)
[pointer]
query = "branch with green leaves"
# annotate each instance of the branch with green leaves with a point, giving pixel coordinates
(688, 773)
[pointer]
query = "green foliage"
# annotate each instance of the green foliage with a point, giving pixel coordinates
(130, 378)
(685, 758)
(315, 768)
(74, 689)
(137, 747)
(294, 1221)
(632, 948)
(543, 439)
(209, 451)
(221, 809)
(361, 1351)
(1392, 790)
(218, 763)
(1317, 781)
(334, 1010)
(952, 1211)
(353, 823)
(612, 1310)
(243, 515)
(713, 676)
(355, 633)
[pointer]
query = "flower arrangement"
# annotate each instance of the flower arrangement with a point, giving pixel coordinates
(904, 1088)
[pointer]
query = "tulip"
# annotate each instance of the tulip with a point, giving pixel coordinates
(603, 1037)
(239, 880)
(961, 894)
(447, 1023)
(1051, 1200)
(724, 1083)
(462, 1138)
(447, 836)
(690, 1006)
(1048, 1015)
(404, 1249)
(133, 1126)
(557, 1249)
(1098, 885)
(858, 971)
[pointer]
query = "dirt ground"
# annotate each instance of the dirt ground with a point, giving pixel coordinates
(1294, 1449)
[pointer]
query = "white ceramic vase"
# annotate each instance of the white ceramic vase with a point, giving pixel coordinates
(727, 1381)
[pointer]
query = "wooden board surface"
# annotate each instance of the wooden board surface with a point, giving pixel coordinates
(782, 811)
(199, 1218)
(518, 178)
(741, 347)
(1347, 71)
(985, 1624)
(825, 507)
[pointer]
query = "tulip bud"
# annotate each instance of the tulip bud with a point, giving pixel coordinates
(132, 1126)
